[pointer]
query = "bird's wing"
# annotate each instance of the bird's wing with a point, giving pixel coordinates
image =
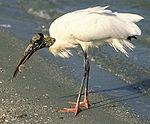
(97, 23)
(88, 26)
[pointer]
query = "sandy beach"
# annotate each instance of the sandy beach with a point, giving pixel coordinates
(43, 88)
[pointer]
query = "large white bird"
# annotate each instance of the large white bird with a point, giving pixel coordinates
(85, 28)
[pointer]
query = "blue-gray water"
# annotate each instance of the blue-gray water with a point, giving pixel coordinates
(131, 75)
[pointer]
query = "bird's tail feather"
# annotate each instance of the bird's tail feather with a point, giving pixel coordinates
(129, 17)
(121, 45)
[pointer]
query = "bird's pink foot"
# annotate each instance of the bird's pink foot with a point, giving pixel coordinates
(85, 103)
(75, 110)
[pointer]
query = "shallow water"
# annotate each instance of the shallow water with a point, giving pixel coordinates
(24, 18)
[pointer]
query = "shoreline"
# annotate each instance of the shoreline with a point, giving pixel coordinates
(44, 87)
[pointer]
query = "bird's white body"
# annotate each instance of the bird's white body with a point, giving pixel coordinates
(93, 27)
(86, 28)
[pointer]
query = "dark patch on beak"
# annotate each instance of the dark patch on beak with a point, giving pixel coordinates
(37, 42)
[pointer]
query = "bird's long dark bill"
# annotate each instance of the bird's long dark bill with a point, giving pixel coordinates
(27, 54)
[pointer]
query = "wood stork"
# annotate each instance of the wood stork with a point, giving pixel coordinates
(85, 28)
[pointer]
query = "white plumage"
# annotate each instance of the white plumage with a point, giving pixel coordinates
(93, 27)
(85, 28)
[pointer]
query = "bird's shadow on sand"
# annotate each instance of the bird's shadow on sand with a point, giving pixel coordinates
(137, 90)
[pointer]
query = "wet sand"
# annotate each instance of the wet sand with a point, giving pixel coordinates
(43, 88)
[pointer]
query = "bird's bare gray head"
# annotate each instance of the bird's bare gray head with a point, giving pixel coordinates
(40, 41)
(37, 42)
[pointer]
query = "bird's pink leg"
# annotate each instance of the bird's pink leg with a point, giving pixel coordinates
(85, 102)
(76, 108)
